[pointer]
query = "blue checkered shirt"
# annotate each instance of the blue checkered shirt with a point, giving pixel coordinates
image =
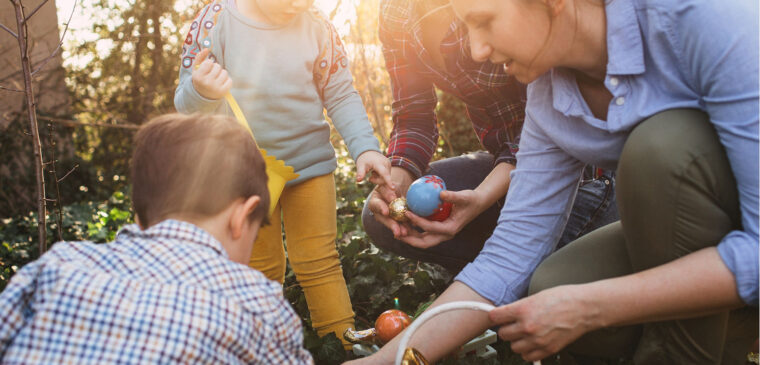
(168, 294)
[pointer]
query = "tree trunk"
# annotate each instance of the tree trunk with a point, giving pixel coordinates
(26, 67)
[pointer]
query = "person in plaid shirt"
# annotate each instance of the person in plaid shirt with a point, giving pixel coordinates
(425, 48)
(174, 288)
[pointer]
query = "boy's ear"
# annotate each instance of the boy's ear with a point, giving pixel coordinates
(240, 214)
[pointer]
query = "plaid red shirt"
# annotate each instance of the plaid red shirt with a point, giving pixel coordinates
(495, 101)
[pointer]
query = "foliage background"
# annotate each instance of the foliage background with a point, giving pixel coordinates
(120, 71)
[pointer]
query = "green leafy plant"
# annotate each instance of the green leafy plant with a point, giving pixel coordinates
(96, 221)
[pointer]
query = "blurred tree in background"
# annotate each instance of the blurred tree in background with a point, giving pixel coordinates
(124, 76)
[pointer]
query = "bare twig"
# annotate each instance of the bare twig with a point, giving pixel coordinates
(35, 10)
(76, 122)
(68, 173)
(60, 41)
(51, 170)
(11, 89)
(8, 30)
(26, 65)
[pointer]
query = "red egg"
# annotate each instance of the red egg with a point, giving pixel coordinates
(441, 213)
(390, 323)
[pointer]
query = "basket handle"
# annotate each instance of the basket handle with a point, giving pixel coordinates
(448, 307)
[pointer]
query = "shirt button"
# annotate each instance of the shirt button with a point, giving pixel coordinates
(620, 100)
(614, 81)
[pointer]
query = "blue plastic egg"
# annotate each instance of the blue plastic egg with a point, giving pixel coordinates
(424, 195)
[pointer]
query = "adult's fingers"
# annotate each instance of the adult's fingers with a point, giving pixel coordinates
(426, 224)
(523, 346)
(380, 211)
(421, 240)
(537, 355)
(377, 203)
(504, 314)
(457, 197)
(385, 193)
(510, 332)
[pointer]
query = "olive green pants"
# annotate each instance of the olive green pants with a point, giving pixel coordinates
(676, 194)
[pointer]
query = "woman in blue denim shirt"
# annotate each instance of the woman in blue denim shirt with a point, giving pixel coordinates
(666, 93)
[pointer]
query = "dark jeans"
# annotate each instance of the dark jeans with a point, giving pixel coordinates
(676, 195)
(594, 207)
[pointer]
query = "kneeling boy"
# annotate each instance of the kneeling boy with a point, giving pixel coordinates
(174, 289)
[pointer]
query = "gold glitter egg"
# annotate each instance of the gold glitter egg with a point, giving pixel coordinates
(398, 209)
(413, 357)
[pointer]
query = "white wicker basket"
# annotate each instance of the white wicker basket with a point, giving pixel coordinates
(434, 312)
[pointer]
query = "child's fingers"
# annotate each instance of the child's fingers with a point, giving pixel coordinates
(227, 85)
(223, 76)
(203, 68)
(360, 172)
(201, 57)
(216, 70)
(381, 176)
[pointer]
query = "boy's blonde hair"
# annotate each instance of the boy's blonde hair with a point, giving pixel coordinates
(195, 165)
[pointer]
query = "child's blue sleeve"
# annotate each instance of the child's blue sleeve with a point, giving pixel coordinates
(205, 32)
(344, 106)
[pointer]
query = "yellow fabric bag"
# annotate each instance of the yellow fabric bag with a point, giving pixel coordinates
(277, 172)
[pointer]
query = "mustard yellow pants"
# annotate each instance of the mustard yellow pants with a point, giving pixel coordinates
(308, 213)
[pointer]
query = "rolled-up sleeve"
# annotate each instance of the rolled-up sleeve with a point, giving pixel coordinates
(726, 74)
(538, 204)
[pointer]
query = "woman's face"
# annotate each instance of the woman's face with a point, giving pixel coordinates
(282, 11)
(514, 33)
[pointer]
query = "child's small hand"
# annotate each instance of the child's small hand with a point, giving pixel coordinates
(377, 165)
(209, 78)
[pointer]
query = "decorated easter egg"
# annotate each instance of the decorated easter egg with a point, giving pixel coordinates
(390, 323)
(398, 209)
(441, 213)
(424, 195)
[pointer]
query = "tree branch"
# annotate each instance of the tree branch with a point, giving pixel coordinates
(11, 89)
(68, 173)
(8, 30)
(35, 10)
(76, 122)
(56, 181)
(26, 66)
(60, 41)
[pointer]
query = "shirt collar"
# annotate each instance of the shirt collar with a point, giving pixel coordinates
(625, 51)
(175, 230)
